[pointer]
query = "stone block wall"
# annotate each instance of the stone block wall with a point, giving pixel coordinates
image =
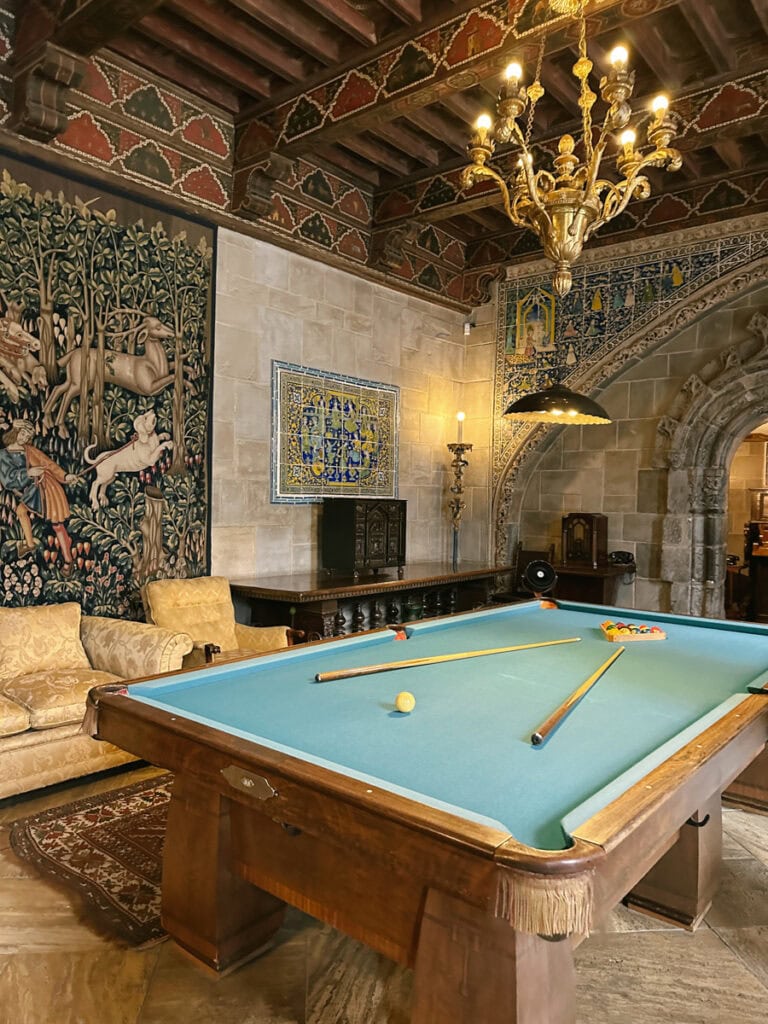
(274, 304)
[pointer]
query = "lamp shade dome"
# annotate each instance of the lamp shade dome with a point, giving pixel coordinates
(556, 404)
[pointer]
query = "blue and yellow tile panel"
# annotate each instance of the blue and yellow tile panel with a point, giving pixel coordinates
(332, 435)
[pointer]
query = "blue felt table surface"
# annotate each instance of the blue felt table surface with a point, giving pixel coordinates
(466, 746)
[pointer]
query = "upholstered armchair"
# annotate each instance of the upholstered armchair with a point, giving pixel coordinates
(203, 608)
(50, 657)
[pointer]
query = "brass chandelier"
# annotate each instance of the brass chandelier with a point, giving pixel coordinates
(566, 207)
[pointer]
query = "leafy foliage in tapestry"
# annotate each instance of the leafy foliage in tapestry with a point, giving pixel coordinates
(104, 392)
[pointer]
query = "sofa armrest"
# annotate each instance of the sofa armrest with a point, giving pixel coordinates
(131, 650)
(261, 638)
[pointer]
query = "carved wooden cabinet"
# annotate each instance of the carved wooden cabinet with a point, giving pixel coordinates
(357, 534)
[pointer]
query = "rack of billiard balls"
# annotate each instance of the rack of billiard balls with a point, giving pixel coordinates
(626, 632)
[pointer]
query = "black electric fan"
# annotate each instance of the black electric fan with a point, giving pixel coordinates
(539, 577)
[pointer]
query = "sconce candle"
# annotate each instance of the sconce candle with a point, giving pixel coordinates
(460, 418)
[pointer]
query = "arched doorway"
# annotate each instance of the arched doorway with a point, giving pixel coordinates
(696, 437)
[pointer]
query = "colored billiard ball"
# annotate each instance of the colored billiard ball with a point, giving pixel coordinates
(405, 702)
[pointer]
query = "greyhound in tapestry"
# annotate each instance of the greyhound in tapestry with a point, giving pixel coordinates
(142, 451)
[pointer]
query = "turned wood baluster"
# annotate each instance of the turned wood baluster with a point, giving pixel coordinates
(377, 614)
(358, 617)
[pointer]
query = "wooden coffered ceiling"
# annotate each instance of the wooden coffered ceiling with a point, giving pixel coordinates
(383, 91)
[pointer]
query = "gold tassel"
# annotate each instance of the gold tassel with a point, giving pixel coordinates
(545, 904)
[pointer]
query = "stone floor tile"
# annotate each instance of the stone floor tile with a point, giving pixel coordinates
(665, 978)
(106, 986)
(749, 830)
(742, 899)
(750, 945)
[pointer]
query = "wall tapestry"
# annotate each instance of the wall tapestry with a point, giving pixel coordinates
(105, 362)
(332, 435)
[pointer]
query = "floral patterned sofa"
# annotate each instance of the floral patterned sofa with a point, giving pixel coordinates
(50, 657)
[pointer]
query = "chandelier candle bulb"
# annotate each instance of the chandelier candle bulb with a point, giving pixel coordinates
(618, 58)
(627, 139)
(660, 106)
(513, 74)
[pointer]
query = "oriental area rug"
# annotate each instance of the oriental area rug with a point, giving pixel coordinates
(108, 849)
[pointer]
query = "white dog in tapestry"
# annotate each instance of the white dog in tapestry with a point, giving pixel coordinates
(140, 453)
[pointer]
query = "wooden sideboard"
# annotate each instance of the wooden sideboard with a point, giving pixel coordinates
(584, 583)
(329, 604)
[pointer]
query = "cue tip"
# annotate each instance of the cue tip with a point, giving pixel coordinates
(536, 739)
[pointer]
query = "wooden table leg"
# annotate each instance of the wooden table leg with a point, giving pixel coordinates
(750, 789)
(208, 909)
(681, 886)
(472, 968)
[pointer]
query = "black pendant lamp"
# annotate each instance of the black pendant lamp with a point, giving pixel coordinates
(556, 404)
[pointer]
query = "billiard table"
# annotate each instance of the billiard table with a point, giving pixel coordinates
(444, 838)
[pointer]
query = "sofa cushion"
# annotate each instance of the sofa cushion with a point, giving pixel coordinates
(13, 717)
(56, 697)
(40, 639)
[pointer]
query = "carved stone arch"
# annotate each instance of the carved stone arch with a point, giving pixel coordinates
(702, 589)
(697, 454)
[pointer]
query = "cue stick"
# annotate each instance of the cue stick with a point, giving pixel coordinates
(365, 670)
(547, 727)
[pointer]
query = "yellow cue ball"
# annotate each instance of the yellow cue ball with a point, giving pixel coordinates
(405, 702)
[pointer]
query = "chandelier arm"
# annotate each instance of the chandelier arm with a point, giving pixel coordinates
(488, 172)
(619, 196)
(531, 179)
(533, 191)
(594, 163)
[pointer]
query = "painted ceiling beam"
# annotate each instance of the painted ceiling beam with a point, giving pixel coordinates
(168, 65)
(709, 32)
(760, 7)
(435, 124)
(340, 159)
(467, 48)
(204, 52)
(283, 17)
(90, 25)
(241, 36)
(379, 155)
(411, 142)
(342, 15)
(408, 11)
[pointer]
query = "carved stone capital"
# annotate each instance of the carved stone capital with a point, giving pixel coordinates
(758, 326)
(256, 201)
(41, 87)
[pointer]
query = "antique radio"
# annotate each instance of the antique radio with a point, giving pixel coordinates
(585, 539)
(362, 533)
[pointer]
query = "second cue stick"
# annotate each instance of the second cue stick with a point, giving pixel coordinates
(367, 670)
(547, 727)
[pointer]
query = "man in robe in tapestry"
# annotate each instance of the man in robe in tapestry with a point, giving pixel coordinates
(36, 482)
